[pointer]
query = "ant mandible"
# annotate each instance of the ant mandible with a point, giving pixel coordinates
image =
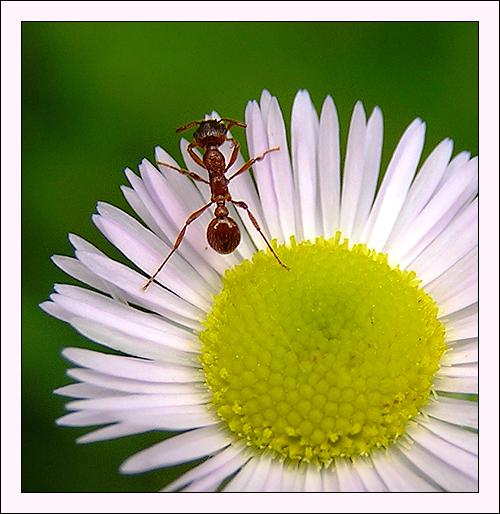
(223, 233)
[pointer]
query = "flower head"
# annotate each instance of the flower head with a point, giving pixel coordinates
(339, 374)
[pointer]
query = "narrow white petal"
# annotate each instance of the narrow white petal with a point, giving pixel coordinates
(87, 418)
(457, 287)
(466, 385)
(353, 170)
(112, 432)
(126, 385)
(329, 167)
(56, 311)
(84, 391)
(257, 481)
(95, 307)
(330, 481)
(147, 251)
(138, 401)
(369, 476)
(437, 214)
(455, 241)
(176, 450)
(129, 367)
(135, 201)
(211, 482)
(218, 461)
(398, 474)
(155, 298)
(313, 483)
(371, 169)
(422, 189)
(304, 141)
(463, 351)
(462, 461)
(281, 169)
(449, 478)
(457, 162)
(349, 480)
(273, 482)
(265, 104)
(450, 433)
(395, 185)
(239, 483)
(258, 143)
(290, 477)
(460, 371)
(74, 268)
(461, 324)
(133, 345)
(451, 410)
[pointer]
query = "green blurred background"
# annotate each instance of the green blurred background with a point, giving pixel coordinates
(97, 97)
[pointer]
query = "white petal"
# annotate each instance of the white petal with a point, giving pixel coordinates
(135, 201)
(462, 462)
(211, 482)
(281, 169)
(457, 436)
(257, 481)
(437, 214)
(138, 401)
(455, 241)
(329, 167)
(353, 170)
(290, 477)
(239, 483)
(126, 385)
(313, 483)
(422, 189)
(112, 432)
(371, 170)
(457, 162)
(258, 143)
(330, 481)
(145, 250)
(176, 450)
(463, 351)
(155, 298)
(129, 367)
(449, 478)
(466, 385)
(461, 371)
(461, 324)
(458, 412)
(349, 480)
(84, 391)
(74, 268)
(133, 345)
(457, 287)
(273, 482)
(217, 462)
(304, 141)
(95, 307)
(395, 185)
(369, 476)
(398, 474)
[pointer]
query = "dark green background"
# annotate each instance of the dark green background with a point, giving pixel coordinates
(98, 97)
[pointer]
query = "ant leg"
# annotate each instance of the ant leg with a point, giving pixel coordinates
(182, 171)
(196, 158)
(251, 162)
(188, 125)
(180, 236)
(234, 153)
(243, 205)
(233, 123)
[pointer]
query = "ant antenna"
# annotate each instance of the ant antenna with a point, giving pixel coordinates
(189, 125)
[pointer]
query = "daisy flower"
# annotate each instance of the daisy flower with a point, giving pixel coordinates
(355, 370)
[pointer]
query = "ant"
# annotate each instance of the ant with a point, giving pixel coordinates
(223, 233)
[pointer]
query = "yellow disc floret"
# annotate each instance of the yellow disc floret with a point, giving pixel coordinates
(330, 359)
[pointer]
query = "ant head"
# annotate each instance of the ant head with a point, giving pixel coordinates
(210, 132)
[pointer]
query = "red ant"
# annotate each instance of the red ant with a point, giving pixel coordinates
(223, 233)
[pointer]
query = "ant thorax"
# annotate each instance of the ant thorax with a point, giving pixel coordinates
(214, 161)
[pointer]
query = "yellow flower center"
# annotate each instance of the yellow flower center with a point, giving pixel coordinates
(330, 359)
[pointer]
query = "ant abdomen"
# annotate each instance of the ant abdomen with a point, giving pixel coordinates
(223, 235)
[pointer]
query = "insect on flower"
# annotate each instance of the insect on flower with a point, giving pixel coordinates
(223, 233)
